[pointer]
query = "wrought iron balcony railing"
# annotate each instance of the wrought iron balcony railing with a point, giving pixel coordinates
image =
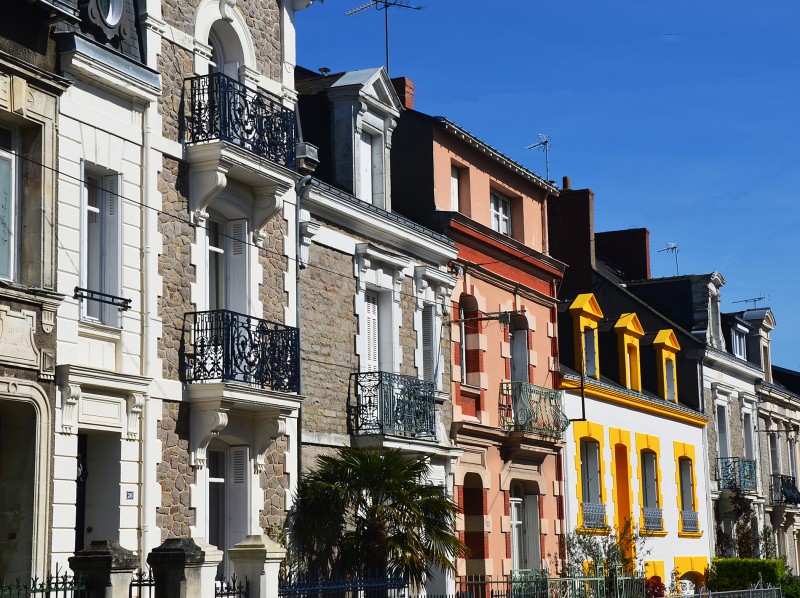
(736, 471)
(594, 515)
(232, 347)
(530, 408)
(783, 490)
(223, 109)
(653, 519)
(393, 404)
(689, 521)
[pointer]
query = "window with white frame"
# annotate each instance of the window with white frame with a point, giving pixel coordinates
(227, 264)
(227, 502)
(747, 430)
(738, 343)
(430, 342)
(722, 432)
(8, 198)
(687, 484)
(101, 255)
(590, 471)
(378, 349)
(455, 191)
(370, 168)
(792, 458)
(774, 459)
(649, 480)
(524, 519)
(520, 352)
(501, 213)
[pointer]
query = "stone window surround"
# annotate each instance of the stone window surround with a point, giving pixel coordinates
(432, 287)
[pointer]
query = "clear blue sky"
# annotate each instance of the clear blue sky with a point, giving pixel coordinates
(683, 117)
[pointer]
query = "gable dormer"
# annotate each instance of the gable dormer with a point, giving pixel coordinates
(629, 331)
(364, 111)
(762, 322)
(586, 314)
(667, 347)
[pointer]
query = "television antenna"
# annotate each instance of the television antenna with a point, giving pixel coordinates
(672, 248)
(384, 5)
(754, 300)
(543, 144)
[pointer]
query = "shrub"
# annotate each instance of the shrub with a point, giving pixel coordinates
(739, 574)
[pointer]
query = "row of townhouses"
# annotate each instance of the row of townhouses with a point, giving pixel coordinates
(216, 266)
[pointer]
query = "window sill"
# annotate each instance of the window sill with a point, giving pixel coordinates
(99, 331)
(655, 533)
(690, 534)
(593, 531)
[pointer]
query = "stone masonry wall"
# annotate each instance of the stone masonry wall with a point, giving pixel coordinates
(174, 473)
(273, 482)
(272, 291)
(174, 264)
(175, 64)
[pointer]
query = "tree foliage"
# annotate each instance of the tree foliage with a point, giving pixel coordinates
(368, 512)
(622, 547)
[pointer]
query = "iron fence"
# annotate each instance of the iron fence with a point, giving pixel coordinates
(689, 521)
(783, 490)
(231, 588)
(594, 583)
(143, 585)
(387, 403)
(232, 347)
(224, 109)
(653, 520)
(748, 593)
(736, 471)
(370, 587)
(594, 515)
(530, 408)
(55, 586)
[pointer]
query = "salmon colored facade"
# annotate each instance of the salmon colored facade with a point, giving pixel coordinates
(507, 419)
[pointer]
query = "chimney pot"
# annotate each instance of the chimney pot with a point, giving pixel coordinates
(565, 184)
(405, 90)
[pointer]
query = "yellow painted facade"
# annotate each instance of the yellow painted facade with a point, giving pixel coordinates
(667, 347)
(629, 330)
(583, 430)
(683, 450)
(587, 315)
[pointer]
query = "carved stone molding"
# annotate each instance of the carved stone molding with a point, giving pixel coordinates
(207, 423)
(271, 429)
(268, 204)
(48, 320)
(17, 341)
(135, 402)
(70, 395)
(308, 230)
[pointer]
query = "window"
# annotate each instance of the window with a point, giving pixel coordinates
(470, 344)
(227, 280)
(590, 471)
(520, 353)
(739, 345)
(101, 245)
(501, 213)
(8, 193)
(670, 380)
(430, 349)
(589, 352)
(688, 510)
(370, 168)
(747, 429)
(651, 508)
(455, 192)
(227, 506)
(524, 516)
(792, 459)
(722, 431)
(373, 332)
(774, 460)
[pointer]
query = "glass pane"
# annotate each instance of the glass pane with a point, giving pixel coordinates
(94, 244)
(687, 499)
(6, 215)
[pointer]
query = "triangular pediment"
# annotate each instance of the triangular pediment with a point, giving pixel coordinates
(666, 339)
(586, 304)
(630, 324)
(375, 88)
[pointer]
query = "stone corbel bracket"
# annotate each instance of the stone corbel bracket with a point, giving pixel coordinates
(207, 423)
(440, 282)
(206, 185)
(268, 204)
(70, 395)
(369, 257)
(308, 230)
(135, 402)
(267, 431)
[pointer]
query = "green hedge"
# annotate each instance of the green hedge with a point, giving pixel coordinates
(740, 574)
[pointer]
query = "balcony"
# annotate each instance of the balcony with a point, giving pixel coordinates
(736, 471)
(222, 109)
(689, 521)
(232, 347)
(594, 515)
(653, 519)
(392, 404)
(529, 408)
(783, 490)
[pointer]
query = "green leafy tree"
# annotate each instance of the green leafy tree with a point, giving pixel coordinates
(366, 512)
(622, 547)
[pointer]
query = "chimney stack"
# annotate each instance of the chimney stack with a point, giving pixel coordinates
(405, 89)
(565, 184)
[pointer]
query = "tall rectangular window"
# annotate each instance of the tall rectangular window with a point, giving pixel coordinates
(670, 373)
(774, 460)
(747, 429)
(590, 474)
(227, 279)
(649, 480)
(589, 353)
(366, 167)
(430, 349)
(101, 263)
(722, 431)
(792, 459)
(8, 187)
(501, 213)
(739, 344)
(455, 193)
(687, 490)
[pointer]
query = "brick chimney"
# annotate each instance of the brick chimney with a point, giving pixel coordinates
(627, 249)
(405, 89)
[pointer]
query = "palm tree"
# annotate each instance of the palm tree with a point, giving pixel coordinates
(368, 512)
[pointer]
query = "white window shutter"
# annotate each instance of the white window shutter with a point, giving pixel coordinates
(237, 292)
(365, 168)
(429, 353)
(7, 183)
(454, 193)
(237, 486)
(372, 362)
(111, 215)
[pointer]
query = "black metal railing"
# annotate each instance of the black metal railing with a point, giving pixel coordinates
(55, 586)
(594, 515)
(689, 521)
(736, 471)
(653, 519)
(351, 587)
(783, 490)
(387, 403)
(230, 347)
(530, 408)
(231, 588)
(223, 109)
(143, 585)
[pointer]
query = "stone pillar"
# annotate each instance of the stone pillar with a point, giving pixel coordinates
(183, 568)
(257, 559)
(106, 568)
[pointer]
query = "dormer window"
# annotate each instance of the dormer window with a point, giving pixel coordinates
(587, 315)
(368, 166)
(667, 347)
(629, 330)
(738, 343)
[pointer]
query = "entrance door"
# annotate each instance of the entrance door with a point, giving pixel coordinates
(97, 481)
(228, 505)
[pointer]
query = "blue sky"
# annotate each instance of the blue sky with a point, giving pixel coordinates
(683, 117)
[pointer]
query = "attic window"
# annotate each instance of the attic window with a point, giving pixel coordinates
(738, 343)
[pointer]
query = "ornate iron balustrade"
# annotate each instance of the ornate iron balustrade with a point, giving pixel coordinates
(393, 404)
(232, 347)
(530, 408)
(224, 109)
(736, 471)
(594, 515)
(653, 520)
(783, 490)
(689, 521)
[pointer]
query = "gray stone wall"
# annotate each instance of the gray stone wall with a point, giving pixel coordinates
(271, 257)
(408, 334)
(174, 473)
(174, 264)
(175, 64)
(273, 482)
